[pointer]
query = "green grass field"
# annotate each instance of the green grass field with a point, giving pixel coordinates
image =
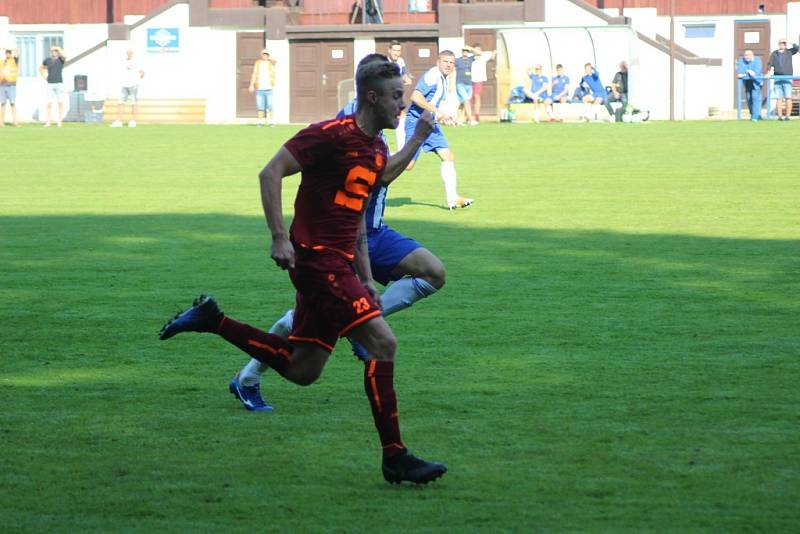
(617, 347)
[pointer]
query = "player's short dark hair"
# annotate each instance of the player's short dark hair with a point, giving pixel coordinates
(369, 58)
(587, 65)
(446, 53)
(371, 75)
(559, 66)
(394, 42)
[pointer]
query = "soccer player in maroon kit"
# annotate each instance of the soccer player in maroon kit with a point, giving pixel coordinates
(326, 254)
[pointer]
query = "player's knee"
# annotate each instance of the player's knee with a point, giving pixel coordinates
(435, 274)
(306, 377)
(385, 347)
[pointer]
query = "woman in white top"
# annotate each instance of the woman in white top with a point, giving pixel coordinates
(478, 77)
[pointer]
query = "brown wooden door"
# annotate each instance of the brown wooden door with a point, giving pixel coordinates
(419, 55)
(487, 40)
(317, 69)
(750, 35)
(248, 50)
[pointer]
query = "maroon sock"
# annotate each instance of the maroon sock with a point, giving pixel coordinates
(267, 348)
(379, 386)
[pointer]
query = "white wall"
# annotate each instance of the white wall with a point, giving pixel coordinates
(279, 49)
(561, 13)
(362, 46)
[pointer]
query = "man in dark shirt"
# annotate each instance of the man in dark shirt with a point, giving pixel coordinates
(464, 81)
(619, 92)
(780, 64)
(51, 69)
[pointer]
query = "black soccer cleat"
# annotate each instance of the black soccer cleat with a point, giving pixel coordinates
(203, 316)
(407, 467)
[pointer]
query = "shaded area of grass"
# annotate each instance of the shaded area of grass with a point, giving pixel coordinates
(571, 378)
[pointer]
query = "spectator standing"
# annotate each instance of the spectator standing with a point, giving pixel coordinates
(262, 83)
(132, 74)
(464, 82)
(594, 92)
(395, 56)
(560, 91)
(479, 76)
(619, 92)
(9, 71)
(749, 70)
(780, 64)
(51, 69)
(538, 93)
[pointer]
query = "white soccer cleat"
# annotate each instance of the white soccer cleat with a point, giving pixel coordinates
(116, 124)
(460, 202)
(131, 124)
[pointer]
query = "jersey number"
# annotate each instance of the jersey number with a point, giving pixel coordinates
(356, 188)
(361, 305)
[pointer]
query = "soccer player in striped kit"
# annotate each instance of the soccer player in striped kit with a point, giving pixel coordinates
(429, 94)
(413, 271)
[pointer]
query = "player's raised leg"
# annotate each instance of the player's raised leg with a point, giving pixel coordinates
(301, 365)
(398, 463)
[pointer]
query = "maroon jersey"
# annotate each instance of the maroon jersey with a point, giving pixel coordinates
(340, 167)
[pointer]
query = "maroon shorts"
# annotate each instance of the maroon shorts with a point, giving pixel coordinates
(477, 88)
(331, 300)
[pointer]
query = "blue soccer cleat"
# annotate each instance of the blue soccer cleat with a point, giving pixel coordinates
(203, 316)
(359, 350)
(249, 396)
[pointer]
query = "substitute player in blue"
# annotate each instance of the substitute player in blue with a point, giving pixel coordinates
(428, 95)
(596, 93)
(413, 271)
(560, 91)
(538, 93)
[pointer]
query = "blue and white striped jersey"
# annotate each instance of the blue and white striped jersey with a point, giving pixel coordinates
(433, 86)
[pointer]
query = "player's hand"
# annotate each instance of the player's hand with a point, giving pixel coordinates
(425, 125)
(374, 293)
(251, 89)
(282, 252)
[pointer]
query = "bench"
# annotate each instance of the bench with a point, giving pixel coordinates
(524, 111)
(160, 111)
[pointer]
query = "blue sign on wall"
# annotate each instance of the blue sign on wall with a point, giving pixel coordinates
(162, 40)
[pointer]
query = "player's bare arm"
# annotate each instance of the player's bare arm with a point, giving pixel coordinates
(399, 161)
(419, 99)
(361, 262)
(271, 178)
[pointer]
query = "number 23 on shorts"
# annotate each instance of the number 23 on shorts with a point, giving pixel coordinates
(361, 305)
(356, 188)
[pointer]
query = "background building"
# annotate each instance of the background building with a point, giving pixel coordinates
(198, 54)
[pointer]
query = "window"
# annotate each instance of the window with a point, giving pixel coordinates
(699, 31)
(34, 48)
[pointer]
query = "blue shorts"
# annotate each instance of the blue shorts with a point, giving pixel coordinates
(783, 89)
(542, 97)
(387, 249)
(264, 99)
(435, 141)
(464, 91)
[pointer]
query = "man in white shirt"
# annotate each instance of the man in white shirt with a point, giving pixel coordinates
(479, 76)
(132, 74)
